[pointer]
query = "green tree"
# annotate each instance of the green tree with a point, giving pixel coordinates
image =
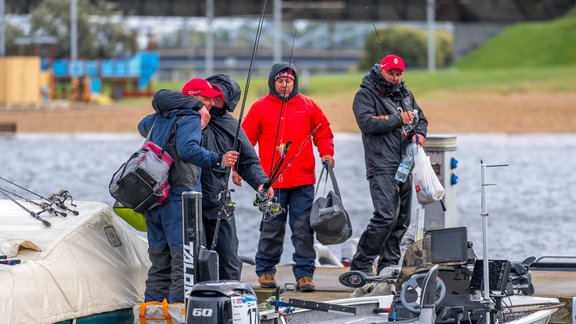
(101, 33)
(11, 33)
(411, 44)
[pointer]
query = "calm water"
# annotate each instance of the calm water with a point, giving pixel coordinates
(531, 208)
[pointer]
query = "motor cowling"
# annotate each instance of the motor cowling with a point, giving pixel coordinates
(520, 278)
(222, 302)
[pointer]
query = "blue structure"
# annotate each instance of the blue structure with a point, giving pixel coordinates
(141, 66)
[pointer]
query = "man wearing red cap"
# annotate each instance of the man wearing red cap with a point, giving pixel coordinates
(287, 116)
(389, 119)
(219, 136)
(177, 123)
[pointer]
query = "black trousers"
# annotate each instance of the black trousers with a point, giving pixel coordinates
(381, 238)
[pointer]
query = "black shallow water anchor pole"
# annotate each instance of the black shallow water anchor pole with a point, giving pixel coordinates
(33, 214)
(484, 215)
(200, 263)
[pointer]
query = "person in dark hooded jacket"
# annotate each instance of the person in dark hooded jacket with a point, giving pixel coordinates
(286, 116)
(389, 119)
(219, 136)
(177, 123)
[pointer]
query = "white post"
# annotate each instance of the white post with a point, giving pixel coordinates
(431, 20)
(573, 310)
(209, 38)
(484, 215)
(73, 30)
(2, 30)
(277, 31)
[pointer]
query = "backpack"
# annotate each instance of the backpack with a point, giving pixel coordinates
(141, 183)
(328, 218)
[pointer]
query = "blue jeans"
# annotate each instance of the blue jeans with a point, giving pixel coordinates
(297, 203)
(165, 245)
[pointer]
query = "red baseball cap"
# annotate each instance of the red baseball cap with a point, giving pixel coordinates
(198, 86)
(392, 61)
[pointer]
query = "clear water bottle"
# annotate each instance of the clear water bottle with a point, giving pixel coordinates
(407, 163)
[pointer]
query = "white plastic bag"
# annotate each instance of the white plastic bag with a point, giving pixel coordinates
(428, 187)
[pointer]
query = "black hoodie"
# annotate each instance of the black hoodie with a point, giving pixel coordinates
(276, 68)
(219, 136)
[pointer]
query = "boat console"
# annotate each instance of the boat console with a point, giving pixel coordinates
(459, 287)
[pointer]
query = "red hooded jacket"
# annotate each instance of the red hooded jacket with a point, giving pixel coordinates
(301, 115)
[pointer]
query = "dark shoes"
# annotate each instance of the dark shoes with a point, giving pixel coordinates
(267, 281)
(305, 284)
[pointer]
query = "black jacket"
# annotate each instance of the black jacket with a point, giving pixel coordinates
(219, 136)
(177, 124)
(376, 110)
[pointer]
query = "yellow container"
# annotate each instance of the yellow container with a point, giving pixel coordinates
(20, 82)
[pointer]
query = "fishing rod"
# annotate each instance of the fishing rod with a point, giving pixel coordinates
(57, 199)
(261, 200)
(273, 207)
(25, 189)
(281, 122)
(227, 206)
(33, 214)
(306, 140)
(46, 207)
(249, 76)
(243, 105)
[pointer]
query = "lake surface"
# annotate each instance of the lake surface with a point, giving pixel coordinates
(531, 209)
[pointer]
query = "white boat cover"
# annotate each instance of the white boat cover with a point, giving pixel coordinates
(81, 265)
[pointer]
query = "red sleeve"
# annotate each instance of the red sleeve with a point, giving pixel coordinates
(251, 124)
(323, 138)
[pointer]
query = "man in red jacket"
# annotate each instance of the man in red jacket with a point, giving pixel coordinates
(286, 118)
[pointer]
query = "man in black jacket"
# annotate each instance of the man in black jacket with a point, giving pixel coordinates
(219, 136)
(389, 119)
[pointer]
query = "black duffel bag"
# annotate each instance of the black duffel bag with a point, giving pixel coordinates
(328, 217)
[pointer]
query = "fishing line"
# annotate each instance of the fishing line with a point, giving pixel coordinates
(254, 51)
(397, 85)
(280, 130)
(225, 198)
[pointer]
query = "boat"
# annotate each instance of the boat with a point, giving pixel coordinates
(440, 280)
(429, 290)
(77, 263)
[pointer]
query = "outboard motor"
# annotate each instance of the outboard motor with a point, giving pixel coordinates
(223, 302)
(520, 279)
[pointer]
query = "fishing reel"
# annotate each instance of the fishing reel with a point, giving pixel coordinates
(227, 206)
(261, 201)
(46, 207)
(269, 207)
(61, 197)
(65, 195)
